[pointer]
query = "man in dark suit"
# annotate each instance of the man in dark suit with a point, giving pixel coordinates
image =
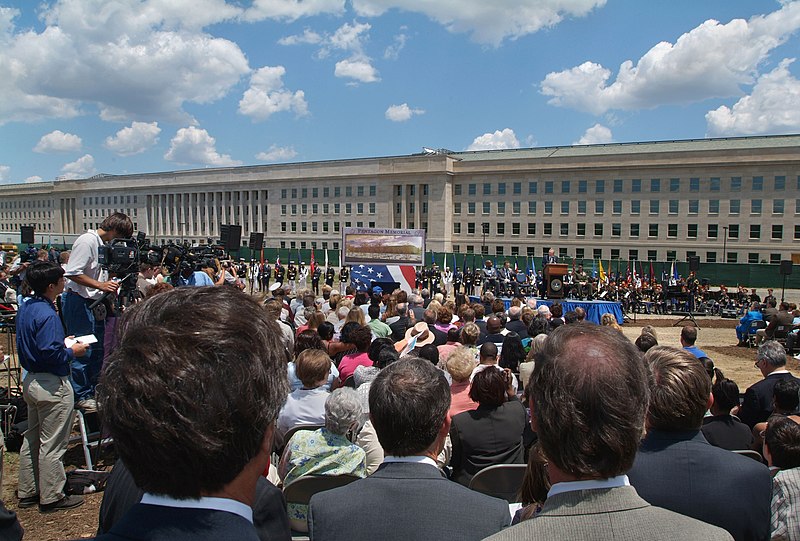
(439, 337)
(588, 399)
(408, 497)
(402, 324)
(676, 468)
(515, 324)
(757, 404)
(190, 397)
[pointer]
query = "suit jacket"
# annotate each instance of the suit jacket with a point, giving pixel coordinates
(122, 494)
(757, 403)
(399, 328)
(486, 436)
(611, 513)
(405, 501)
(160, 523)
(518, 327)
(439, 337)
(682, 472)
(727, 432)
(781, 318)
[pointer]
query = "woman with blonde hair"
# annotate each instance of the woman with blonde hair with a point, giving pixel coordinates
(610, 321)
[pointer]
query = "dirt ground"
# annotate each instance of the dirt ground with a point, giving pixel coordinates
(716, 337)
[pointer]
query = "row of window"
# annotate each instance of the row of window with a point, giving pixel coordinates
(26, 204)
(337, 208)
(617, 254)
(291, 227)
(566, 229)
(110, 200)
(361, 191)
(692, 207)
(695, 184)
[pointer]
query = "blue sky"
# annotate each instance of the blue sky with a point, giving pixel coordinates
(133, 86)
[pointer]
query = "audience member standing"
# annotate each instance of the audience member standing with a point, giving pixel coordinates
(677, 469)
(588, 400)
(47, 392)
(408, 497)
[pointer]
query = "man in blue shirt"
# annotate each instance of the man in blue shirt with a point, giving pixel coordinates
(47, 392)
(688, 338)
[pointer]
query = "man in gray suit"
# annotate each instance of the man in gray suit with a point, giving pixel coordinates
(407, 497)
(588, 401)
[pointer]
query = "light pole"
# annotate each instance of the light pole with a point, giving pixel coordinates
(725, 244)
(485, 228)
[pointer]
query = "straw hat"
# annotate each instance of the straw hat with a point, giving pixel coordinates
(423, 334)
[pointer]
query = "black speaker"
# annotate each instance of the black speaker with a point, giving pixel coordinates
(26, 234)
(233, 240)
(223, 234)
(694, 263)
(256, 242)
(786, 267)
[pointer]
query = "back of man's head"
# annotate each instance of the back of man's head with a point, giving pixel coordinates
(782, 440)
(118, 223)
(785, 395)
(689, 335)
(374, 311)
(514, 312)
(773, 353)
(588, 400)
(488, 353)
(429, 316)
(194, 385)
(679, 389)
(402, 309)
(408, 403)
(581, 313)
(493, 325)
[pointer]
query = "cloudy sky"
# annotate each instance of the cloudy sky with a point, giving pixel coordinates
(126, 86)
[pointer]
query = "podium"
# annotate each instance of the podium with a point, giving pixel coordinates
(554, 278)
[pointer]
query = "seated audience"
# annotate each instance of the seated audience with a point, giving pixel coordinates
(491, 433)
(493, 333)
(326, 451)
(452, 343)
(378, 327)
(306, 405)
(488, 356)
(785, 402)
(782, 450)
(408, 496)
(460, 365)
(308, 340)
(688, 339)
(360, 337)
(588, 402)
(757, 404)
(645, 341)
(429, 352)
(513, 353)
(190, 396)
(610, 320)
(677, 469)
(526, 368)
(722, 429)
(743, 329)
(515, 324)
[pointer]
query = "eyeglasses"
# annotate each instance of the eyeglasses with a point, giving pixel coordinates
(755, 364)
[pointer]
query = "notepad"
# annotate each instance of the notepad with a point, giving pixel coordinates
(85, 339)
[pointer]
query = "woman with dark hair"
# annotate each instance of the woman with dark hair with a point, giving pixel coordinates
(539, 325)
(513, 352)
(492, 433)
(722, 429)
(308, 340)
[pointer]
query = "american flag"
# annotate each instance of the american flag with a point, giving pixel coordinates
(362, 276)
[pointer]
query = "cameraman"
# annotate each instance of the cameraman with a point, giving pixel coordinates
(87, 283)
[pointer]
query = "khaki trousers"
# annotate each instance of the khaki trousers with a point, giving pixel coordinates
(50, 415)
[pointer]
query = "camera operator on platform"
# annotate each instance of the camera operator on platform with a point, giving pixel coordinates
(87, 283)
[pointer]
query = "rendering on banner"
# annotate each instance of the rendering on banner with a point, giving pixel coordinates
(383, 246)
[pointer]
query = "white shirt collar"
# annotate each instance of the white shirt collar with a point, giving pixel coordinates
(571, 486)
(416, 459)
(206, 502)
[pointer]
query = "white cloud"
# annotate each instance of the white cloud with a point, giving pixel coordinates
(358, 68)
(134, 139)
(81, 168)
(596, 135)
(58, 141)
(277, 154)
(292, 10)
(267, 95)
(34, 178)
(4, 172)
(194, 145)
(711, 60)
(772, 107)
(145, 59)
(486, 22)
(402, 112)
(392, 52)
(307, 37)
(499, 140)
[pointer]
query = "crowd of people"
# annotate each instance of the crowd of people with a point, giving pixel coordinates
(218, 400)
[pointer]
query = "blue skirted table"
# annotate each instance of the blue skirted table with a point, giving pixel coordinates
(594, 309)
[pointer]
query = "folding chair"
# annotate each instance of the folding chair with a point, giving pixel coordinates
(501, 481)
(303, 488)
(90, 437)
(751, 332)
(755, 455)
